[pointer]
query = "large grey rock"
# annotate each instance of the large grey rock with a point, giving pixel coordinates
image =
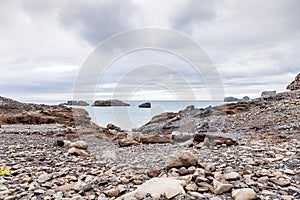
(244, 194)
(183, 159)
(220, 188)
(157, 187)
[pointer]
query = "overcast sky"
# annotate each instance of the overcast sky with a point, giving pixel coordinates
(253, 44)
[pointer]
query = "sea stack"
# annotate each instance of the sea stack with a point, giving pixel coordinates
(145, 105)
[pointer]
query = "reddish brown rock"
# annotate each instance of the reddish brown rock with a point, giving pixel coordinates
(162, 117)
(155, 138)
(127, 142)
(113, 127)
(153, 172)
(217, 140)
(183, 159)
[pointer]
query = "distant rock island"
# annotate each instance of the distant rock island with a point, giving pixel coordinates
(75, 103)
(110, 102)
(145, 105)
(234, 99)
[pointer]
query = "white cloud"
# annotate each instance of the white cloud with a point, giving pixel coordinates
(44, 43)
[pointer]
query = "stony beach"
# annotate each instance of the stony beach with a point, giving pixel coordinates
(235, 151)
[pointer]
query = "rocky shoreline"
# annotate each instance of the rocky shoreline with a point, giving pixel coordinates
(246, 150)
(40, 170)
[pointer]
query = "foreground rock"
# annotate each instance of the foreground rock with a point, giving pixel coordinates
(111, 102)
(183, 159)
(157, 188)
(244, 194)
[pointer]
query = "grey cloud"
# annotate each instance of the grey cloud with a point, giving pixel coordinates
(193, 13)
(253, 43)
(95, 21)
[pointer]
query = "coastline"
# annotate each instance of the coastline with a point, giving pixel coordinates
(265, 159)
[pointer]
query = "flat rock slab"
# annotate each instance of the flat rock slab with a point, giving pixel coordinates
(157, 187)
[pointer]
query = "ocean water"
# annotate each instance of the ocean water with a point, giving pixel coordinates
(132, 116)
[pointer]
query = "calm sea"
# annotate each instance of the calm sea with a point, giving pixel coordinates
(133, 116)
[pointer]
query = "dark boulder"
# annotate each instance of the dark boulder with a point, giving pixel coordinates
(110, 102)
(155, 138)
(145, 105)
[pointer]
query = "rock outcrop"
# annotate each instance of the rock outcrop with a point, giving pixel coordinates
(234, 99)
(257, 114)
(75, 103)
(111, 102)
(295, 84)
(145, 105)
(268, 93)
(17, 113)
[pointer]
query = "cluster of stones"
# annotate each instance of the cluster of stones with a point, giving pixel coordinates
(265, 169)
